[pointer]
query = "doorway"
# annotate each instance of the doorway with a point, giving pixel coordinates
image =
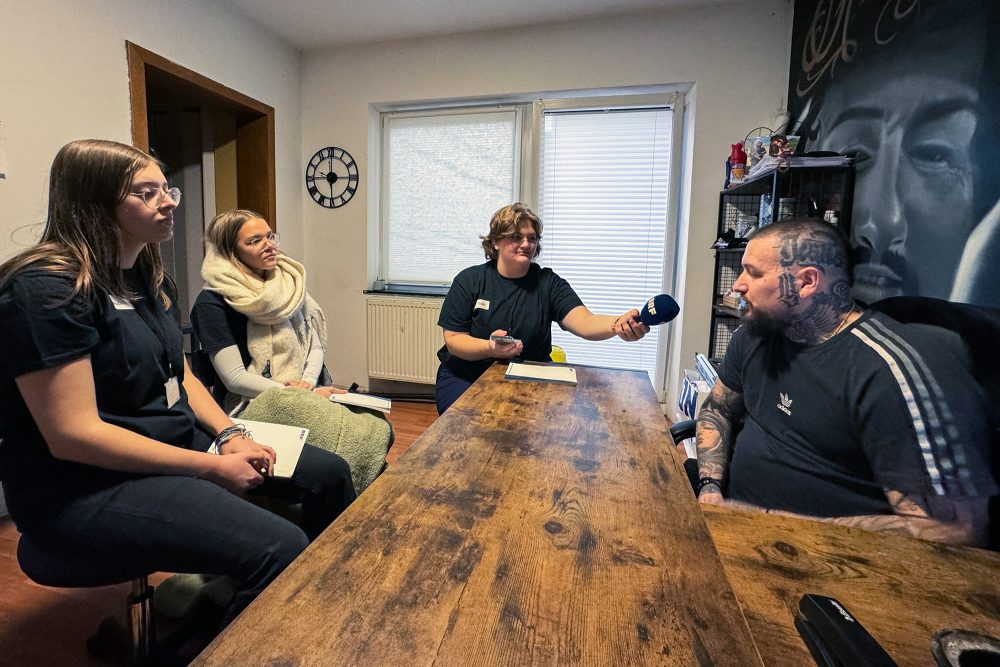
(218, 145)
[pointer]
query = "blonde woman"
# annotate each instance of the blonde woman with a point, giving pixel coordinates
(255, 319)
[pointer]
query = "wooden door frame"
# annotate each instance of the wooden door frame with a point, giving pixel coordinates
(255, 124)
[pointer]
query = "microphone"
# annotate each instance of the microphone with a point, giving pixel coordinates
(659, 309)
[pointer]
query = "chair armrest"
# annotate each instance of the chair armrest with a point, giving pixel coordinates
(682, 430)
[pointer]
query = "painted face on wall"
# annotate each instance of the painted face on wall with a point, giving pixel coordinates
(911, 119)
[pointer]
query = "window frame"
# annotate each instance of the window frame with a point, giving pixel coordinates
(522, 172)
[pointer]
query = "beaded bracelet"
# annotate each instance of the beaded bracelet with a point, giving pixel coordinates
(228, 434)
(706, 481)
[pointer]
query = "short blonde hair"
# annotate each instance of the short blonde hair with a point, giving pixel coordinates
(507, 221)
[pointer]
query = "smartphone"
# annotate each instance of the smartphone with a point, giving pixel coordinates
(503, 339)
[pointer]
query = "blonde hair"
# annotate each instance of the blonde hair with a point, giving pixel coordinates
(224, 230)
(507, 221)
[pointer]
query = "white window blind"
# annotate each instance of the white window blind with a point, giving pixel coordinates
(603, 201)
(445, 176)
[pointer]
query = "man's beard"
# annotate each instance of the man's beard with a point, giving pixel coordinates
(762, 324)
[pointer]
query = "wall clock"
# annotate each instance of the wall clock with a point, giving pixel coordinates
(331, 177)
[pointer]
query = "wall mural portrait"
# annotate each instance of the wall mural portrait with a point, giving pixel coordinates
(912, 87)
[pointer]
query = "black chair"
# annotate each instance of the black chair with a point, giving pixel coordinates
(61, 567)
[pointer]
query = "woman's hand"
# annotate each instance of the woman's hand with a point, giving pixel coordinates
(628, 327)
(236, 472)
(301, 384)
(504, 350)
(263, 456)
(327, 392)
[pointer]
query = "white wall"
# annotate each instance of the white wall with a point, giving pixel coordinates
(64, 76)
(736, 55)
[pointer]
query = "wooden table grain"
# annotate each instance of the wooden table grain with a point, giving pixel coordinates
(901, 589)
(532, 524)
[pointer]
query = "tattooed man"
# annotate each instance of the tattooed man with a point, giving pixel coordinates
(846, 414)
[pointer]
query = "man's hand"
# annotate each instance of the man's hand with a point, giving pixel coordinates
(708, 497)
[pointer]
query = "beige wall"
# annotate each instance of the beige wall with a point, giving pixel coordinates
(735, 55)
(63, 76)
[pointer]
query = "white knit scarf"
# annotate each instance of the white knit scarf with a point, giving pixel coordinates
(280, 312)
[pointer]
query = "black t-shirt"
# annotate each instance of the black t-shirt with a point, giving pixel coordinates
(829, 427)
(219, 325)
(42, 327)
(481, 301)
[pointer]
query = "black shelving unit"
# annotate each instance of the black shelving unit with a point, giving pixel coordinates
(814, 190)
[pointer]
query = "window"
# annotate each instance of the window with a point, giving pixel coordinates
(598, 170)
(603, 200)
(444, 176)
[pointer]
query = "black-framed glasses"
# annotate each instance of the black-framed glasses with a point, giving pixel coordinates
(518, 237)
(153, 197)
(255, 241)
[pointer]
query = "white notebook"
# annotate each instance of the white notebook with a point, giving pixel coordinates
(286, 441)
(563, 374)
(363, 401)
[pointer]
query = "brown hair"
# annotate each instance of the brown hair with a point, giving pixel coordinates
(507, 221)
(82, 237)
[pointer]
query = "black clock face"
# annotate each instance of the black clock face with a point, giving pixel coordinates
(332, 177)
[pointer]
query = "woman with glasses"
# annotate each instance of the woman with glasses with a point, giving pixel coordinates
(262, 330)
(510, 295)
(259, 326)
(111, 447)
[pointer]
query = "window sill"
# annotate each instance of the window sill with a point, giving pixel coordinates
(411, 290)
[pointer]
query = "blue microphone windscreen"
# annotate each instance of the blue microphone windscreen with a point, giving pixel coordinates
(661, 308)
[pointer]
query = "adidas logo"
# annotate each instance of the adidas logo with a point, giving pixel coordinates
(785, 404)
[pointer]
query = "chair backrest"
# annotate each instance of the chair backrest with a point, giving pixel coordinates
(979, 330)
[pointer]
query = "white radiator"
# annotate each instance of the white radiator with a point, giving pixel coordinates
(403, 338)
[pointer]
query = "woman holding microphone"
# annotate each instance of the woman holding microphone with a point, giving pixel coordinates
(504, 308)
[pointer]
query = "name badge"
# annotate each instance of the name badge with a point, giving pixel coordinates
(482, 304)
(120, 303)
(173, 388)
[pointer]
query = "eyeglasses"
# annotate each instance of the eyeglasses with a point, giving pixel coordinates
(153, 197)
(517, 238)
(255, 241)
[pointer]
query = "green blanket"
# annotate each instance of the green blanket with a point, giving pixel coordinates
(362, 437)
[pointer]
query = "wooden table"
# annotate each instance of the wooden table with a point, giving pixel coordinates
(531, 524)
(903, 590)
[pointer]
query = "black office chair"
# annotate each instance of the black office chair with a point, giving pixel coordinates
(61, 567)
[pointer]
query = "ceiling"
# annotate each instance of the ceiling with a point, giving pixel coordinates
(314, 24)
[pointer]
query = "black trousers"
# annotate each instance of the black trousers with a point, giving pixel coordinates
(168, 523)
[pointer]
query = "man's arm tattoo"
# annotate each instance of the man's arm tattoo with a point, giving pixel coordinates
(936, 518)
(716, 421)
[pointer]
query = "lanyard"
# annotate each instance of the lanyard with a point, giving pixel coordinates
(150, 315)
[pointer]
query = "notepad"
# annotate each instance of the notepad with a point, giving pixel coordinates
(286, 441)
(563, 374)
(364, 401)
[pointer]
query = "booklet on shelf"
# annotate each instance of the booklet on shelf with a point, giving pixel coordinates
(364, 401)
(286, 441)
(558, 373)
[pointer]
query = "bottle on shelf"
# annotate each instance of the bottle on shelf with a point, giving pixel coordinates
(738, 162)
